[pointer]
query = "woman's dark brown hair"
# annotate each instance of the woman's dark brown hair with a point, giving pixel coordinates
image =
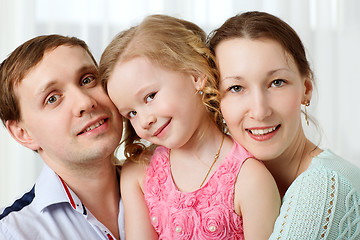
(262, 25)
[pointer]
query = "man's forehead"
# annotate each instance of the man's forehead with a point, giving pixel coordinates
(64, 52)
(61, 64)
(70, 58)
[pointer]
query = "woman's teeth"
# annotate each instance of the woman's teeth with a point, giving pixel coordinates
(262, 131)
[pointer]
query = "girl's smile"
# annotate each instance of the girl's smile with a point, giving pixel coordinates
(162, 130)
(157, 101)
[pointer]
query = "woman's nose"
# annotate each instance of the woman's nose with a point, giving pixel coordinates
(259, 108)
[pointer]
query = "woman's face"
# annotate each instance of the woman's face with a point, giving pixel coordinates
(262, 92)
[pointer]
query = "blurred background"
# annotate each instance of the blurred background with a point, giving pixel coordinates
(330, 30)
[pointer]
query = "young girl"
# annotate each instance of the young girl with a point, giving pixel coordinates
(264, 79)
(199, 184)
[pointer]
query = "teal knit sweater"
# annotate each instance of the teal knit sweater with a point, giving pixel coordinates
(322, 203)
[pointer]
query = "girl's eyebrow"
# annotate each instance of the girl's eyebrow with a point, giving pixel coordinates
(143, 89)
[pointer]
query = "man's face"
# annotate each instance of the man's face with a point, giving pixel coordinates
(65, 113)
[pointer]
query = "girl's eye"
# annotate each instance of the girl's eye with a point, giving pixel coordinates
(52, 99)
(132, 114)
(235, 88)
(150, 97)
(87, 80)
(278, 83)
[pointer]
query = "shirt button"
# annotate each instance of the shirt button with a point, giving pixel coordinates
(178, 229)
(212, 228)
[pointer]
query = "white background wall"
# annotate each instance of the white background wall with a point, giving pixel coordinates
(330, 30)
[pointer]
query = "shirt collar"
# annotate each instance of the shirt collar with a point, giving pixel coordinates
(51, 189)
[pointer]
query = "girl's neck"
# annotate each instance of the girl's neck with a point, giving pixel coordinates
(206, 137)
(292, 162)
(191, 163)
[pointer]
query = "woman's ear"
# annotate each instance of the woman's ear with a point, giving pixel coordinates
(21, 135)
(308, 86)
(199, 81)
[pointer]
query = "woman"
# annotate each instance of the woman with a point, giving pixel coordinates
(264, 79)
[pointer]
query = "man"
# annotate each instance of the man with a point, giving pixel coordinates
(52, 102)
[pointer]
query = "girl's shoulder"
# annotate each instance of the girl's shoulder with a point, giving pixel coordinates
(159, 157)
(137, 170)
(239, 152)
(254, 175)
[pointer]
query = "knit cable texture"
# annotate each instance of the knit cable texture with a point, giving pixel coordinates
(322, 203)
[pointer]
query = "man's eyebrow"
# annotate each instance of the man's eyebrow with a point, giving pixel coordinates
(82, 70)
(87, 68)
(48, 85)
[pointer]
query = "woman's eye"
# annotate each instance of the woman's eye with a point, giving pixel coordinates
(132, 114)
(52, 99)
(235, 88)
(87, 80)
(150, 97)
(278, 83)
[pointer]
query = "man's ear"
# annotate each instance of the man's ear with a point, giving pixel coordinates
(21, 135)
(199, 81)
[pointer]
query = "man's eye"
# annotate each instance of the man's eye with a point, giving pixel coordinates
(132, 114)
(52, 99)
(150, 97)
(87, 80)
(235, 88)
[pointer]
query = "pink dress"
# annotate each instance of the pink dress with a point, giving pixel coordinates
(207, 213)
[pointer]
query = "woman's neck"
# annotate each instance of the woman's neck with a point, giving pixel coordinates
(292, 162)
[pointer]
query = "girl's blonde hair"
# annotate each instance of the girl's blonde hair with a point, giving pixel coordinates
(173, 44)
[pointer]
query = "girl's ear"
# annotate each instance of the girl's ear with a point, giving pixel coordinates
(21, 135)
(308, 86)
(199, 81)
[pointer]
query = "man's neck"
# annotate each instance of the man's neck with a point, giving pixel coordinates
(99, 191)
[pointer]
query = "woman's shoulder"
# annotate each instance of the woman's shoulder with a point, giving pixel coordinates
(328, 177)
(327, 192)
(330, 165)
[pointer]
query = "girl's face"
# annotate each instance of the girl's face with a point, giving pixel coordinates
(162, 105)
(262, 92)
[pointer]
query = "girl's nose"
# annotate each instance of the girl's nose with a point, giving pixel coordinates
(147, 120)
